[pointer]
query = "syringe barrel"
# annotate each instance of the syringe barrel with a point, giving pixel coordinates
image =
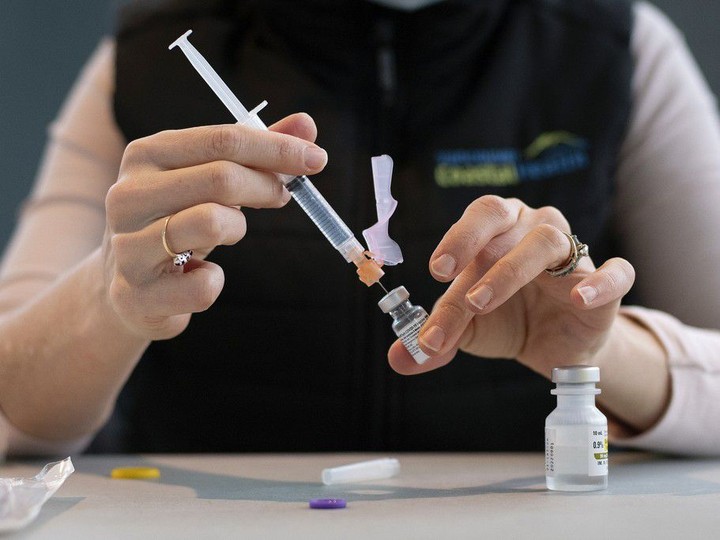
(300, 187)
(319, 210)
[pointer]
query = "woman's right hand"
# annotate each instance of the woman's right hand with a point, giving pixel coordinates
(201, 177)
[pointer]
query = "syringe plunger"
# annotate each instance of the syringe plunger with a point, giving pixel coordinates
(300, 187)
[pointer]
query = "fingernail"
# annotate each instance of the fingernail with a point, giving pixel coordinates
(480, 297)
(588, 294)
(433, 338)
(315, 157)
(444, 265)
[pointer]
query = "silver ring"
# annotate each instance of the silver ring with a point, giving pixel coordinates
(577, 251)
(179, 259)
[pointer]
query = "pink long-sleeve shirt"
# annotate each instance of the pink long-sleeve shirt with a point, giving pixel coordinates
(668, 195)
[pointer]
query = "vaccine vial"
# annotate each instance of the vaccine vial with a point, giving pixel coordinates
(576, 436)
(407, 320)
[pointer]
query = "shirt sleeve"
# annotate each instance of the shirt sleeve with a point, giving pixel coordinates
(63, 220)
(669, 167)
(669, 219)
(668, 178)
(688, 426)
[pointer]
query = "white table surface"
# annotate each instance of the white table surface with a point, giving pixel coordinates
(434, 496)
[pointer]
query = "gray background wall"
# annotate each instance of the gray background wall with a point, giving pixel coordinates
(43, 44)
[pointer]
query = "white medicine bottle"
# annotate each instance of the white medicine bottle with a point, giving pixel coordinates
(576, 437)
(407, 320)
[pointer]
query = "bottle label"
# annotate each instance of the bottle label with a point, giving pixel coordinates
(598, 465)
(576, 450)
(409, 337)
(550, 451)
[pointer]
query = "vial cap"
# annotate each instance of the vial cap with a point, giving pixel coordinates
(576, 374)
(394, 298)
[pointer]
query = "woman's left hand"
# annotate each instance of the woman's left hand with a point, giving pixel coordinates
(501, 302)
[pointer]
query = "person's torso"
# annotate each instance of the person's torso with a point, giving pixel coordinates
(524, 99)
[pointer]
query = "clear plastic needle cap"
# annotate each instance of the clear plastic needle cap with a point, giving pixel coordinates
(377, 237)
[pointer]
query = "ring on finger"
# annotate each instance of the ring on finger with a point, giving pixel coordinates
(577, 251)
(179, 259)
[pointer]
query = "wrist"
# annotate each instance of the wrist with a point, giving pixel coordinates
(100, 309)
(635, 378)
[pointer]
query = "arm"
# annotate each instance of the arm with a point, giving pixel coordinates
(500, 303)
(50, 283)
(670, 167)
(86, 283)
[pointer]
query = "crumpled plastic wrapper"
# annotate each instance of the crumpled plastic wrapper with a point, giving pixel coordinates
(22, 498)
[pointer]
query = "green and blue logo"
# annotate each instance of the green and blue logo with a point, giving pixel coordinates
(551, 154)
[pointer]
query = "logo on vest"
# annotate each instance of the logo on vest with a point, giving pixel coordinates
(553, 153)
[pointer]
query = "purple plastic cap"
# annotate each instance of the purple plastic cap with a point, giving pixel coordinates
(326, 504)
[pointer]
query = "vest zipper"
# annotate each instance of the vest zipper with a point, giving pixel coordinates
(386, 66)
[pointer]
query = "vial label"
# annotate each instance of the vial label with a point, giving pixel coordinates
(598, 465)
(550, 451)
(409, 338)
(576, 450)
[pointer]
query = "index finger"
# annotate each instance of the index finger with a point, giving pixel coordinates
(449, 317)
(247, 146)
(484, 219)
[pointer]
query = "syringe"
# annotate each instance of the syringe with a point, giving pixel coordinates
(300, 187)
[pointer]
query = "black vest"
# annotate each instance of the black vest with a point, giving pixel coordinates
(524, 99)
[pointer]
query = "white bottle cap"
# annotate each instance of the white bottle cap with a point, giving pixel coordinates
(576, 374)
